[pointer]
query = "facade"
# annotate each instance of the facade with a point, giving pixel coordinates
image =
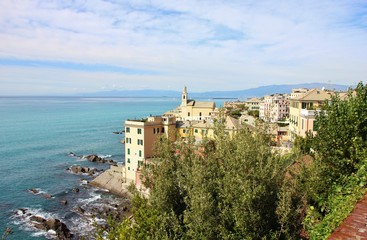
(303, 110)
(205, 129)
(253, 104)
(296, 92)
(274, 108)
(140, 137)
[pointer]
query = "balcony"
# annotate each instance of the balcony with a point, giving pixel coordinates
(308, 113)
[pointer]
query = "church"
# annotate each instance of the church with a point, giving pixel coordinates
(191, 110)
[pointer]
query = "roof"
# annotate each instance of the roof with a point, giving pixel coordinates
(201, 104)
(314, 95)
(354, 226)
(254, 100)
(232, 123)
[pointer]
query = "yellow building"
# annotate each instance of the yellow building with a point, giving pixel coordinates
(140, 137)
(205, 129)
(191, 110)
(302, 111)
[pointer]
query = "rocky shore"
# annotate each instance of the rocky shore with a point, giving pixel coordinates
(50, 225)
(113, 180)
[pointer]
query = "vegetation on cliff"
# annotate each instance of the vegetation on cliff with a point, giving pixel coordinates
(238, 188)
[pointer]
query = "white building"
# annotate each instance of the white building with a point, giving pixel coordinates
(274, 108)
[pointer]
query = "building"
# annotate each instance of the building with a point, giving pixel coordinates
(191, 110)
(253, 104)
(296, 92)
(140, 137)
(205, 129)
(274, 108)
(303, 110)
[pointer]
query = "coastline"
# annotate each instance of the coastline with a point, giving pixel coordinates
(112, 180)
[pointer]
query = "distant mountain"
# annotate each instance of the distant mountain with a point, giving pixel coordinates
(241, 94)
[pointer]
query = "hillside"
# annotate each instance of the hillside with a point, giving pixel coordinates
(241, 94)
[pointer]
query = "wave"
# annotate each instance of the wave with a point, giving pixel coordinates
(22, 218)
(105, 156)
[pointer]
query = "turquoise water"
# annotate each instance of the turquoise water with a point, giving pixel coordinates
(36, 136)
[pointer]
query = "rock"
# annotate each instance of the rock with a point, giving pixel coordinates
(64, 202)
(62, 232)
(23, 210)
(76, 190)
(93, 158)
(85, 169)
(34, 190)
(47, 195)
(75, 169)
(52, 223)
(38, 219)
(79, 210)
(41, 226)
(71, 154)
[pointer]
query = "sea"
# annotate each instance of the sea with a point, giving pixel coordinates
(37, 135)
(40, 137)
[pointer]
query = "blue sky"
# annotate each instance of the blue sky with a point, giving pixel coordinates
(69, 47)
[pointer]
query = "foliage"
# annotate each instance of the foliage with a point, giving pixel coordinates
(340, 164)
(224, 188)
(236, 187)
(254, 113)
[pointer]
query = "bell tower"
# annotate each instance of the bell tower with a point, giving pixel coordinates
(184, 97)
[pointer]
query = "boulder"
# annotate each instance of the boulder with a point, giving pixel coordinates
(85, 169)
(75, 169)
(38, 219)
(64, 202)
(41, 226)
(34, 190)
(79, 210)
(62, 232)
(93, 158)
(75, 190)
(47, 195)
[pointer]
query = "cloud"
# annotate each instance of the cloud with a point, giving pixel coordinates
(202, 44)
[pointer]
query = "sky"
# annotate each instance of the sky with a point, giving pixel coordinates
(56, 47)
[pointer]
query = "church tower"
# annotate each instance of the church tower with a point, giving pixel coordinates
(184, 97)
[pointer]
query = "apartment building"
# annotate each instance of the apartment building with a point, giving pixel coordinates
(253, 104)
(140, 137)
(274, 108)
(303, 109)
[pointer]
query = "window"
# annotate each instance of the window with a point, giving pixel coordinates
(200, 114)
(302, 123)
(188, 114)
(153, 130)
(140, 142)
(157, 130)
(128, 168)
(162, 129)
(140, 153)
(128, 151)
(196, 131)
(139, 130)
(140, 163)
(128, 160)
(183, 130)
(203, 131)
(127, 129)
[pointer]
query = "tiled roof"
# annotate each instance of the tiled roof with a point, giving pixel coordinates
(314, 95)
(201, 104)
(355, 225)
